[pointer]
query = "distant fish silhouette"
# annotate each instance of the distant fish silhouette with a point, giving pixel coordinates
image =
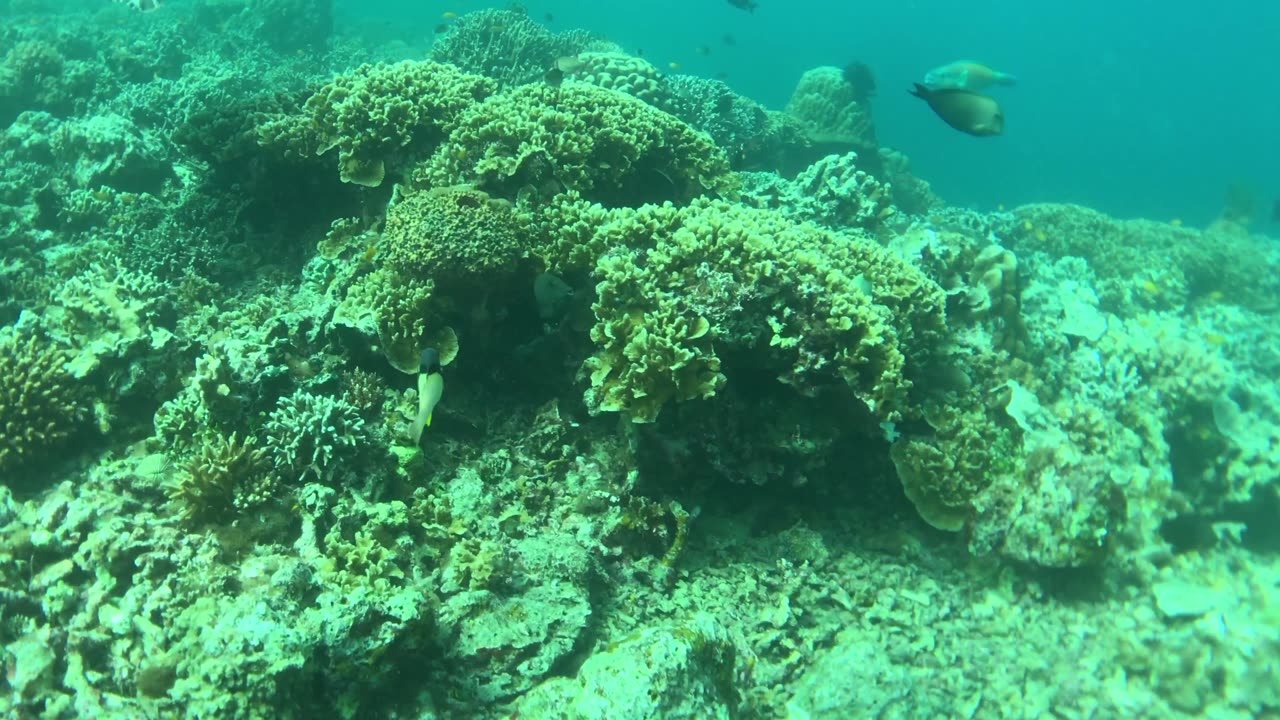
(748, 5)
(1275, 211)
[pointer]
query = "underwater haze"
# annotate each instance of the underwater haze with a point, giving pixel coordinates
(752, 359)
(1140, 109)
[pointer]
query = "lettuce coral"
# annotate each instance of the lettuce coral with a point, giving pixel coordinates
(676, 286)
(607, 145)
(377, 114)
(450, 233)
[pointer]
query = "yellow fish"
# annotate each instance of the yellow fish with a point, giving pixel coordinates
(430, 389)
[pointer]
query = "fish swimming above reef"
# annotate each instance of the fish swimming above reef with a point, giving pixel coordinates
(430, 389)
(966, 75)
(968, 112)
(143, 5)
(748, 5)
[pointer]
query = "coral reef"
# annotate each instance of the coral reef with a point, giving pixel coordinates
(508, 46)
(603, 144)
(375, 115)
(738, 419)
(40, 406)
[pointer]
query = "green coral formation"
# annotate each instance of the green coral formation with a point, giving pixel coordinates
(606, 145)
(730, 427)
(814, 306)
(40, 407)
(509, 46)
(450, 234)
(377, 115)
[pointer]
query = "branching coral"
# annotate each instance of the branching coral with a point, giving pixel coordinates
(606, 145)
(39, 405)
(378, 115)
(307, 435)
(224, 473)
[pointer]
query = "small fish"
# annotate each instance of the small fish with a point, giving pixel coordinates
(729, 40)
(748, 5)
(430, 389)
(142, 5)
(966, 75)
(1176, 222)
(1214, 338)
(448, 15)
(549, 17)
(554, 77)
(968, 112)
(441, 28)
(673, 65)
(722, 75)
(703, 50)
(1275, 211)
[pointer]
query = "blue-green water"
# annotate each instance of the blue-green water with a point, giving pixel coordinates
(1140, 109)
(445, 360)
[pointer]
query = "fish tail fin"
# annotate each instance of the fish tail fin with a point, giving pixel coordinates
(429, 416)
(1006, 79)
(919, 91)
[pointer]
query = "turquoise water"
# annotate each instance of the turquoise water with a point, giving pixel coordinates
(626, 361)
(1140, 109)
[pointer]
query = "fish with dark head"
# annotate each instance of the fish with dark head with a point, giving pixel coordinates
(748, 5)
(968, 112)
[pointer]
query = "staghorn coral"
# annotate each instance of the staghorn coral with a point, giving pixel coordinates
(40, 407)
(377, 116)
(508, 46)
(815, 307)
(450, 234)
(608, 146)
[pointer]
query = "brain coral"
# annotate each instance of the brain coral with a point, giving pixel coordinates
(377, 114)
(450, 233)
(679, 286)
(508, 46)
(39, 408)
(609, 146)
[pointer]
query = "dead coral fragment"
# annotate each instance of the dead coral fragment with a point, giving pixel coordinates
(39, 405)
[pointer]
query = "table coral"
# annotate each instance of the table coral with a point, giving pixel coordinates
(377, 114)
(607, 145)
